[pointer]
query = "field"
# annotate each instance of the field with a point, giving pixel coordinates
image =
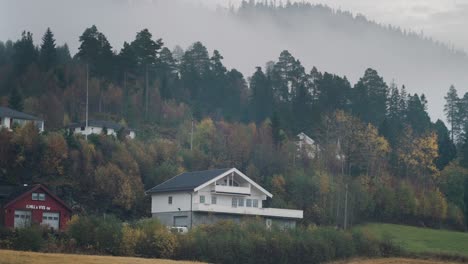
(17, 257)
(422, 240)
(391, 261)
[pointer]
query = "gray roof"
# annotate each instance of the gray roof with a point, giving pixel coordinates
(187, 181)
(99, 123)
(8, 112)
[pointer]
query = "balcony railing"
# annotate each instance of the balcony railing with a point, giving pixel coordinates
(232, 189)
(272, 212)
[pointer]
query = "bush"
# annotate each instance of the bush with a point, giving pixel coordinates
(154, 239)
(103, 234)
(29, 238)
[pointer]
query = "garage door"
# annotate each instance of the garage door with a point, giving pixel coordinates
(51, 220)
(22, 218)
(181, 221)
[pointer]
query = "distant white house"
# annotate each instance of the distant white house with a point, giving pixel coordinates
(307, 145)
(10, 118)
(99, 127)
(205, 197)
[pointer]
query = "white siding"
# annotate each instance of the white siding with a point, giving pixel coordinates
(98, 130)
(160, 204)
(7, 121)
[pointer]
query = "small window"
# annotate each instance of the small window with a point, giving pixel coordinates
(255, 203)
(241, 202)
(249, 203)
(35, 196)
(169, 200)
(44, 217)
(234, 202)
(82, 128)
(42, 197)
(213, 200)
(202, 198)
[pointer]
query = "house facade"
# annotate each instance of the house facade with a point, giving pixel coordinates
(205, 197)
(10, 118)
(99, 127)
(307, 145)
(26, 205)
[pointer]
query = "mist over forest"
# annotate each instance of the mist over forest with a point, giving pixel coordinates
(246, 35)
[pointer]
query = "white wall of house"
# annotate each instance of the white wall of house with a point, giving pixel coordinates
(8, 122)
(160, 202)
(98, 130)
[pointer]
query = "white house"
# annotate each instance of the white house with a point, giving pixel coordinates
(10, 118)
(204, 197)
(308, 145)
(99, 127)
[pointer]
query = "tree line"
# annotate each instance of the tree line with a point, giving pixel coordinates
(375, 139)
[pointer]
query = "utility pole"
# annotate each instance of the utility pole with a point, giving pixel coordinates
(345, 224)
(146, 92)
(87, 100)
(191, 137)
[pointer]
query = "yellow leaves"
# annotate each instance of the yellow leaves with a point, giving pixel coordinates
(278, 185)
(419, 153)
(55, 154)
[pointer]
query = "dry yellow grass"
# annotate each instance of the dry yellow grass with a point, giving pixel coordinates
(21, 257)
(391, 261)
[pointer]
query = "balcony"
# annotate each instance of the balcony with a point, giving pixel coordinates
(267, 212)
(232, 189)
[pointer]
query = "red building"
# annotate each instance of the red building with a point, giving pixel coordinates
(26, 205)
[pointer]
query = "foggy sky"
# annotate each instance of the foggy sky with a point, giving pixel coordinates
(243, 46)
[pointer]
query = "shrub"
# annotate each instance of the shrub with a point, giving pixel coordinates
(29, 238)
(99, 233)
(154, 239)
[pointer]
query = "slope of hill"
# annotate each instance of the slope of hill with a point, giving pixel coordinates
(334, 41)
(422, 240)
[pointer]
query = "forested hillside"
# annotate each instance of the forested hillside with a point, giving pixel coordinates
(381, 158)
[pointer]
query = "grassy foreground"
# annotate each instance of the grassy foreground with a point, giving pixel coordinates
(392, 261)
(421, 240)
(17, 257)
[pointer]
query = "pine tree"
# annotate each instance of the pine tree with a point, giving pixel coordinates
(96, 51)
(451, 108)
(48, 52)
(15, 100)
(447, 150)
(370, 98)
(261, 98)
(25, 52)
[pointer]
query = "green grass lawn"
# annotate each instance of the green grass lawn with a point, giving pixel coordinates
(421, 240)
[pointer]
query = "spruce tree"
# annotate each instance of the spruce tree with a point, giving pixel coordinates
(370, 98)
(451, 112)
(48, 52)
(261, 98)
(15, 100)
(447, 149)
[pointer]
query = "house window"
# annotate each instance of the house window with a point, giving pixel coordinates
(248, 203)
(255, 203)
(202, 198)
(213, 200)
(169, 200)
(234, 202)
(38, 196)
(82, 128)
(241, 202)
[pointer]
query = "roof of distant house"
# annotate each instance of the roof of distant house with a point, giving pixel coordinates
(187, 181)
(8, 112)
(11, 193)
(99, 123)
